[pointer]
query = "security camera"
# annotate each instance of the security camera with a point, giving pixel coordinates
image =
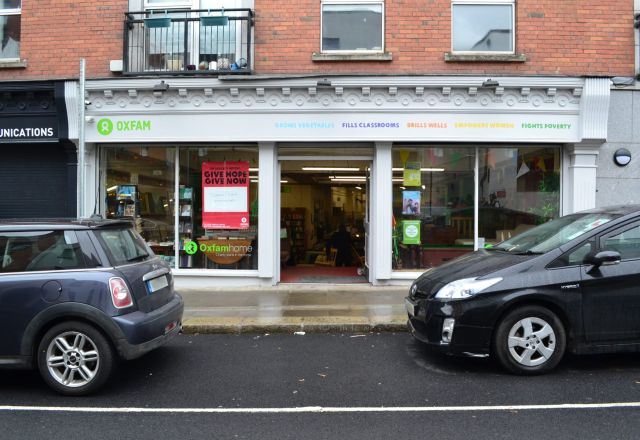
(87, 102)
(89, 119)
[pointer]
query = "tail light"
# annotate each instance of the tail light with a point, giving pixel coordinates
(120, 294)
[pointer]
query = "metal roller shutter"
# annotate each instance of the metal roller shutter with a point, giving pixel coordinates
(37, 181)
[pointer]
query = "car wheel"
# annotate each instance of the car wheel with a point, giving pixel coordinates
(530, 340)
(75, 359)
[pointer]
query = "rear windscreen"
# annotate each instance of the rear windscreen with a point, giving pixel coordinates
(124, 245)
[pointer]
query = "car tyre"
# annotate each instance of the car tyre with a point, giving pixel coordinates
(530, 340)
(75, 358)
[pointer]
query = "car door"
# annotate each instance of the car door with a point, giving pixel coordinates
(611, 293)
(36, 268)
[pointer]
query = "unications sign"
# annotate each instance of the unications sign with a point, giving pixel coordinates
(31, 129)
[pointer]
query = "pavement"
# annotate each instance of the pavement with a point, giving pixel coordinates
(291, 308)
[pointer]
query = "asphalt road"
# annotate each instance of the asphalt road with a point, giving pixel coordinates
(373, 386)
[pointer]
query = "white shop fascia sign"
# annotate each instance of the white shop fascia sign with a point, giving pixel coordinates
(335, 127)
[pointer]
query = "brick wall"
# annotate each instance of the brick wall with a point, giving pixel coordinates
(567, 37)
(55, 34)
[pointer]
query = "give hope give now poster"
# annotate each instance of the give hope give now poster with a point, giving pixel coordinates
(225, 195)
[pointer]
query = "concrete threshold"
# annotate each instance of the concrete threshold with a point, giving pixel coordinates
(295, 308)
(205, 325)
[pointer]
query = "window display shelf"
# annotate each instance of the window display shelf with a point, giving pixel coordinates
(185, 223)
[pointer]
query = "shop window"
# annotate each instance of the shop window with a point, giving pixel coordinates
(352, 26)
(140, 185)
(519, 188)
(433, 205)
(10, 11)
(480, 26)
(218, 208)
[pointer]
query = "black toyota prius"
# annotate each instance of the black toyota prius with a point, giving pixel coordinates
(572, 284)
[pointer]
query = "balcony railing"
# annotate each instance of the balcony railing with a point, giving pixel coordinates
(193, 41)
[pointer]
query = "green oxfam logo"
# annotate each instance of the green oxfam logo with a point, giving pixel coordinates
(191, 247)
(105, 126)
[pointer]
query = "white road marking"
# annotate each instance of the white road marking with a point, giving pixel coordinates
(319, 409)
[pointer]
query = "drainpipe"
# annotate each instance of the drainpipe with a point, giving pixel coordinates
(81, 145)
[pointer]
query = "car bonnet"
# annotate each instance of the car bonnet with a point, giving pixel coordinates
(472, 265)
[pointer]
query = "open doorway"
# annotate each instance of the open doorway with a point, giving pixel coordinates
(324, 211)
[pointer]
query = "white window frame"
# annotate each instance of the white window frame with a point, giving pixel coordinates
(13, 11)
(352, 2)
(176, 4)
(511, 3)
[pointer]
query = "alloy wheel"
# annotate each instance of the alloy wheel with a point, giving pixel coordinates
(73, 359)
(531, 341)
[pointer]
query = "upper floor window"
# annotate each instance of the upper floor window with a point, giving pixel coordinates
(10, 29)
(352, 26)
(483, 26)
(174, 37)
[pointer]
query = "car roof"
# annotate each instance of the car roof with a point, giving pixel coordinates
(26, 224)
(619, 210)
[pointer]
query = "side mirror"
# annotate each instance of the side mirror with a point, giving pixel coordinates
(602, 258)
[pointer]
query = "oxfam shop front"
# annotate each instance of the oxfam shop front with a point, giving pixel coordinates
(369, 180)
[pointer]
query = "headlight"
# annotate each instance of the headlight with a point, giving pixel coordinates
(465, 288)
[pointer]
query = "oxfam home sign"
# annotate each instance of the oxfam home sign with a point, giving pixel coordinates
(106, 126)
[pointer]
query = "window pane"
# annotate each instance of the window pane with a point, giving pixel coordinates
(10, 26)
(230, 244)
(519, 189)
(432, 205)
(218, 43)
(166, 45)
(10, 4)
(352, 27)
(627, 243)
(42, 250)
(483, 28)
(140, 185)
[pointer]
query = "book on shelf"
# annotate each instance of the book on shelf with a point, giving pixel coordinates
(185, 210)
(186, 192)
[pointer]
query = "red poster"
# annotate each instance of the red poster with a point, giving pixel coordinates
(225, 195)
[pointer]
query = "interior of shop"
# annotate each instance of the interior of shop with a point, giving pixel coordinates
(322, 218)
(140, 185)
(433, 198)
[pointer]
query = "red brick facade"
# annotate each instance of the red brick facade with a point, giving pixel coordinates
(56, 34)
(568, 37)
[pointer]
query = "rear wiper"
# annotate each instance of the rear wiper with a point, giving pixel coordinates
(138, 257)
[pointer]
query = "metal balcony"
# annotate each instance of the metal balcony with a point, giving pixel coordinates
(188, 42)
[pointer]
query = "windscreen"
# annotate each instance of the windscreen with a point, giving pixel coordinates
(554, 234)
(124, 245)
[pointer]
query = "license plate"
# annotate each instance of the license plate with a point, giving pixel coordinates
(157, 283)
(410, 307)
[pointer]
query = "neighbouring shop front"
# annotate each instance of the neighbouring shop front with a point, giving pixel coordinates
(368, 180)
(38, 163)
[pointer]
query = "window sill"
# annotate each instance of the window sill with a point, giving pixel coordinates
(386, 56)
(13, 64)
(486, 58)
